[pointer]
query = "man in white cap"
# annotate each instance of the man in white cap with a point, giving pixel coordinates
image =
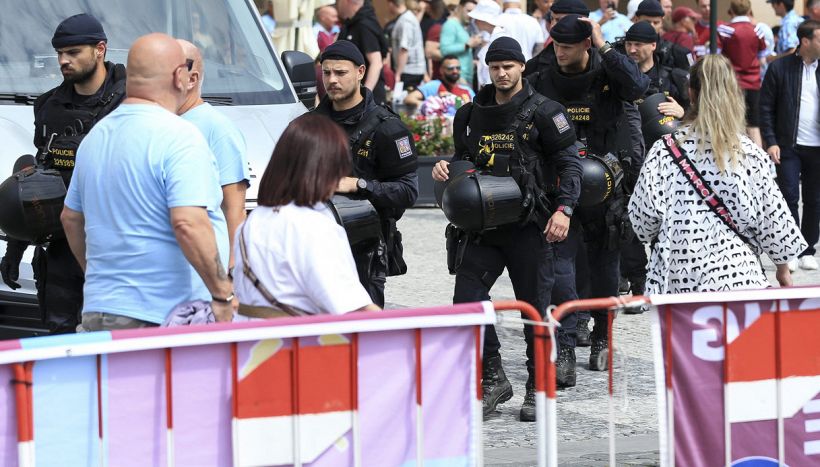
(522, 27)
(485, 15)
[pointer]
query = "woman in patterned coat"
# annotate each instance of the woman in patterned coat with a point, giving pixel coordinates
(693, 250)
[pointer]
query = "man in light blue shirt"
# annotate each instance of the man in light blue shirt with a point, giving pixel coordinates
(613, 24)
(228, 146)
(787, 37)
(136, 213)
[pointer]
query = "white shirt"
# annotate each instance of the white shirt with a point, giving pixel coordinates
(302, 256)
(808, 122)
(482, 70)
(523, 28)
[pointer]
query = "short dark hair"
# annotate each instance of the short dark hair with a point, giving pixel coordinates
(448, 57)
(806, 29)
(464, 2)
(312, 155)
(789, 4)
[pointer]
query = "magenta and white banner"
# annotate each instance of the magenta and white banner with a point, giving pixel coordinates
(389, 388)
(755, 402)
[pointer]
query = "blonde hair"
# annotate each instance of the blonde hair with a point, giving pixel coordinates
(718, 110)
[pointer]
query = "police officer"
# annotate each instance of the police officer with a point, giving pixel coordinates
(91, 88)
(594, 84)
(513, 131)
(384, 159)
(671, 54)
(641, 46)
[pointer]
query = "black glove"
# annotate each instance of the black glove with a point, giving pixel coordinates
(10, 264)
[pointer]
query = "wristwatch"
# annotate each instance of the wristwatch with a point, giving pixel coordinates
(565, 210)
(361, 184)
(227, 299)
(605, 48)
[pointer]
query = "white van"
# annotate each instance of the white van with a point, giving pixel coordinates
(244, 78)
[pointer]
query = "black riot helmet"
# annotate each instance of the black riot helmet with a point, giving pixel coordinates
(655, 124)
(602, 175)
(455, 169)
(474, 201)
(359, 219)
(31, 201)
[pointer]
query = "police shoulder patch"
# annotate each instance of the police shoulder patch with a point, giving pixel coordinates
(403, 146)
(561, 122)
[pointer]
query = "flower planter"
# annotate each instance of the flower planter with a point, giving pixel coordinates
(427, 197)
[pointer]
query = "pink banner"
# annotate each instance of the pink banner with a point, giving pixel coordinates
(727, 404)
(376, 388)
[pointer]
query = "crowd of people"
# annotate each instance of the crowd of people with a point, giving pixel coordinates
(618, 135)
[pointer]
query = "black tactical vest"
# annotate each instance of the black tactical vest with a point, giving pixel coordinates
(590, 104)
(61, 124)
(501, 141)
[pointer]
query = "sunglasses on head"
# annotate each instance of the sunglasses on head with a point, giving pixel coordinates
(189, 64)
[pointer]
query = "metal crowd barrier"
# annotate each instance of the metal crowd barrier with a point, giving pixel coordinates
(321, 390)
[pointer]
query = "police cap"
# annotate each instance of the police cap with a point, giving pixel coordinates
(504, 48)
(650, 8)
(82, 29)
(642, 31)
(570, 7)
(570, 30)
(343, 50)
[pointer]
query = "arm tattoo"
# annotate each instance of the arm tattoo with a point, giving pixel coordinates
(220, 269)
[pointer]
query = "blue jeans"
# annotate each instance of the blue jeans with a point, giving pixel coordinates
(796, 164)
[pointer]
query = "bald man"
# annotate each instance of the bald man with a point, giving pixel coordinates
(225, 141)
(137, 210)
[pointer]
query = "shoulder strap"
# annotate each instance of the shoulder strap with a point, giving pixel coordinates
(527, 111)
(709, 196)
(367, 126)
(248, 272)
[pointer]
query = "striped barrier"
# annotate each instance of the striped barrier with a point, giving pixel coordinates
(738, 376)
(390, 388)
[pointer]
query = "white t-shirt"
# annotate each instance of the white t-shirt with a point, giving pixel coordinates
(303, 258)
(523, 28)
(808, 133)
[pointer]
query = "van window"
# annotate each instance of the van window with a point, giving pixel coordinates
(239, 64)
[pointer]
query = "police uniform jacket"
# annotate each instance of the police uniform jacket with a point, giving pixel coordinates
(595, 99)
(386, 158)
(674, 55)
(62, 118)
(483, 135)
(672, 82)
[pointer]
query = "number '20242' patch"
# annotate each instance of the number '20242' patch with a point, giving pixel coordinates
(561, 122)
(403, 145)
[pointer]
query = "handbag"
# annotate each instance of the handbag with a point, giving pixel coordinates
(709, 196)
(277, 307)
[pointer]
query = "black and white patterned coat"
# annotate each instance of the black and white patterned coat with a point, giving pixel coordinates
(695, 251)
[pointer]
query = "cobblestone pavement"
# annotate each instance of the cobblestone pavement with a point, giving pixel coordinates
(582, 410)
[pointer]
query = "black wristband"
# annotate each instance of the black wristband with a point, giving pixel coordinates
(227, 299)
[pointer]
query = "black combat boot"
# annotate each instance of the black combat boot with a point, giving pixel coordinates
(494, 384)
(582, 333)
(598, 354)
(527, 413)
(565, 367)
(623, 285)
(638, 288)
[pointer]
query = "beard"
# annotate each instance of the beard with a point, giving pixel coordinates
(338, 96)
(451, 79)
(509, 84)
(82, 75)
